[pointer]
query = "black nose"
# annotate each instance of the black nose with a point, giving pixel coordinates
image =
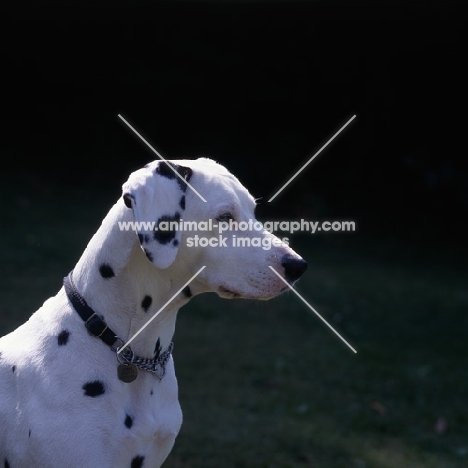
(294, 267)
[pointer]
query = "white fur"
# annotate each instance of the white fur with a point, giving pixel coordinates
(46, 421)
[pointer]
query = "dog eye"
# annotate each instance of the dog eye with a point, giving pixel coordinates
(225, 217)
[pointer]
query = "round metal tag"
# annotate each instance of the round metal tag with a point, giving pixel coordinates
(127, 372)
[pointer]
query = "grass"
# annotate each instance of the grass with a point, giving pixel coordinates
(266, 384)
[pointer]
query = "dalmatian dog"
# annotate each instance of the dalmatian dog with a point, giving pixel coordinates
(72, 393)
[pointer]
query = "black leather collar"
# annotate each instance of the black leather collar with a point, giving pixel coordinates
(96, 326)
(94, 323)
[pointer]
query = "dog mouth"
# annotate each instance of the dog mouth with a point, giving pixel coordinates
(227, 293)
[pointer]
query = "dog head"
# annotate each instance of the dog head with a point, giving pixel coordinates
(218, 229)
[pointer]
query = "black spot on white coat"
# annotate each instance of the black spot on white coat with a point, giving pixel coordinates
(164, 170)
(94, 388)
(182, 202)
(13, 368)
(157, 349)
(106, 270)
(7, 465)
(128, 421)
(164, 236)
(186, 173)
(62, 338)
(128, 200)
(186, 291)
(146, 303)
(137, 462)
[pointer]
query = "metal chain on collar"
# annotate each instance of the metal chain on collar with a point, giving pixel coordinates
(156, 365)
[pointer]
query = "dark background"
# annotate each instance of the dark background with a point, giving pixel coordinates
(259, 86)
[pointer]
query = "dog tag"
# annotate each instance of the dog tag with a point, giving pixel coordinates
(127, 372)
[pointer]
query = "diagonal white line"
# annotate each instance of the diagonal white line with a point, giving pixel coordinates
(313, 310)
(312, 158)
(159, 156)
(156, 314)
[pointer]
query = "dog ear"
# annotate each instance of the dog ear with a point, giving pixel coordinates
(156, 196)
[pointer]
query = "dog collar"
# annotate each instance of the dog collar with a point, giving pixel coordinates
(96, 326)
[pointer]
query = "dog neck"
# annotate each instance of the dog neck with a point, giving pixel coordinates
(121, 284)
